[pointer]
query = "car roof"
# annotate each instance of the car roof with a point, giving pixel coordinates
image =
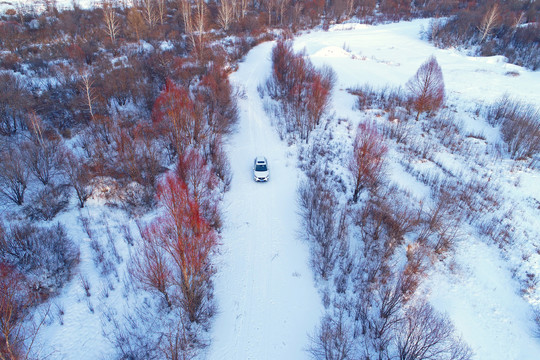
(260, 159)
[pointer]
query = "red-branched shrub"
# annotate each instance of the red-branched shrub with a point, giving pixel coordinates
(174, 112)
(187, 242)
(427, 87)
(302, 90)
(217, 105)
(367, 162)
(202, 183)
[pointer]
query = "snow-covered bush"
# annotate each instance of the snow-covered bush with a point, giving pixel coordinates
(387, 98)
(519, 124)
(324, 224)
(521, 132)
(46, 255)
(47, 202)
(14, 175)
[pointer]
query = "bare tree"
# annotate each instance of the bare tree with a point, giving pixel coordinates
(136, 22)
(161, 10)
(41, 152)
(14, 175)
(333, 340)
(111, 22)
(90, 97)
(271, 7)
(199, 26)
(489, 21)
(427, 87)
(428, 335)
(149, 13)
(225, 14)
(184, 6)
(78, 175)
(367, 161)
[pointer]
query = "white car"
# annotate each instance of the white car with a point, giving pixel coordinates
(260, 169)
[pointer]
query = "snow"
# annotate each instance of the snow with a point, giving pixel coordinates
(391, 54)
(78, 332)
(483, 297)
(265, 292)
(484, 304)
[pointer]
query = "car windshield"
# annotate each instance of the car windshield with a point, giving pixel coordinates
(260, 167)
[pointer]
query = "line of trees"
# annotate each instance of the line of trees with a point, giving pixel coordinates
(508, 28)
(302, 91)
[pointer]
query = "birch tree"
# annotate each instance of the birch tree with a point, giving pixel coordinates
(489, 22)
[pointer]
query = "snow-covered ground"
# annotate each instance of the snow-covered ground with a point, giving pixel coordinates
(266, 297)
(265, 291)
(480, 287)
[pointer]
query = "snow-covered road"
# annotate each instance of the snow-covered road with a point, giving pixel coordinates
(265, 290)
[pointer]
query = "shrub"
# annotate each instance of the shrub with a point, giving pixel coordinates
(186, 240)
(78, 175)
(15, 103)
(48, 202)
(520, 126)
(427, 87)
(324, 224)
(45, 254)
(387, 98)
(14, 175)
(303, 91)
(202, 183)
(333, 340)
(521, 132)
(427, 335)
(15, 301)
(367, 161)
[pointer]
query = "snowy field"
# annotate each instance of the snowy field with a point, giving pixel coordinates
(266, 295)
(479, 288)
